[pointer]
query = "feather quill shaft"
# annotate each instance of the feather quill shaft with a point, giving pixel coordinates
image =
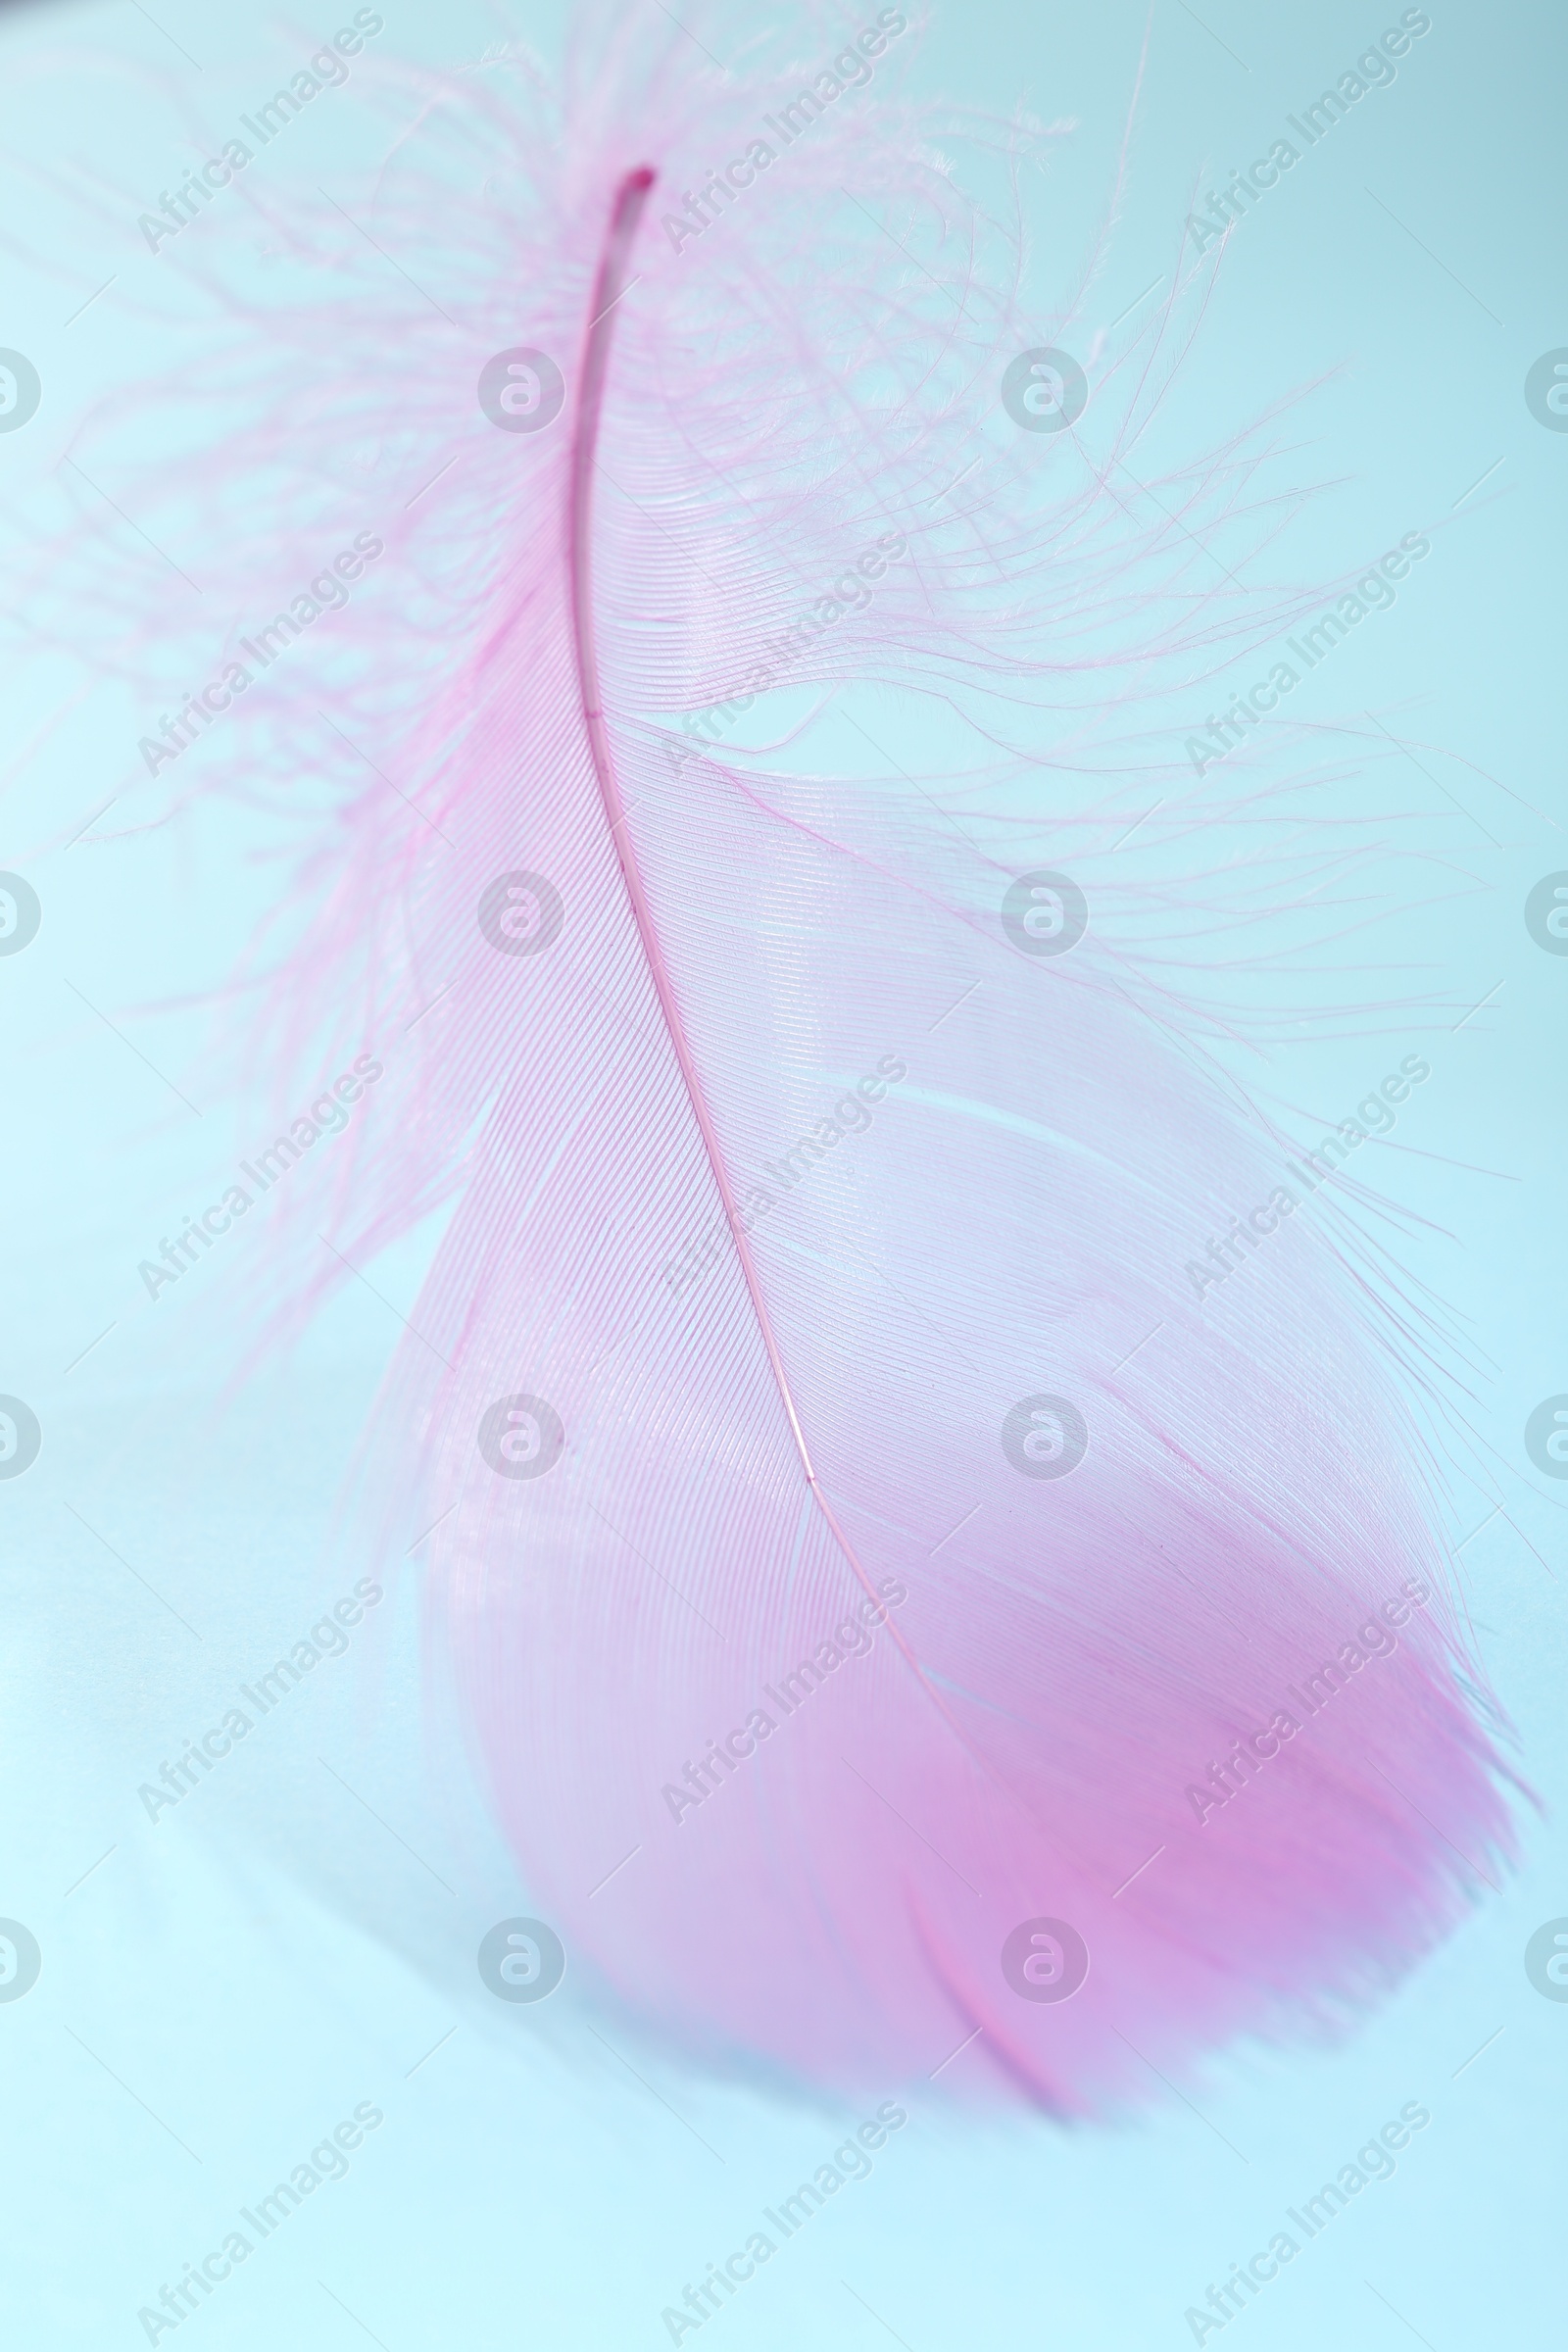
(609, 287)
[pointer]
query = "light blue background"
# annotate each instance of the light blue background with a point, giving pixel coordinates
(223, 1988)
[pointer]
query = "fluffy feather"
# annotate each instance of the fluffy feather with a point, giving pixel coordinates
(783, 1171)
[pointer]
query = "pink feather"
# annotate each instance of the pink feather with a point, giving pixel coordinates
(759, 1386)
